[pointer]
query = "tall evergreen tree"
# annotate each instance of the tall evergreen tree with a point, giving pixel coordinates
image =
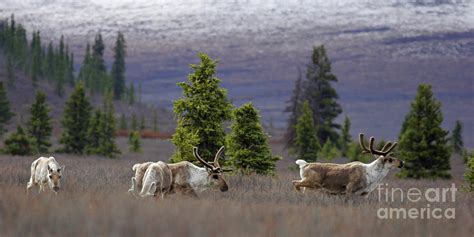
(200, 113)
(20, 49)
(118, 67)
(248, 144)
(94, 133)
(36, 58)
(60, 68)
(85, 73)
(345, 138)
(322, 97)
(306, 144)
(293, 107)
(70, 69)
(99, 70)
(5, 113)
(456, 139)
(423, 144)
(134, 142)
(39, 126)
(107, 146)
(49, 64)
(19, 143)
(76, 121)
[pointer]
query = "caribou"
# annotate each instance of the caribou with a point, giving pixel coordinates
(137, 180)
(45, 172)
(354, 178)
(189, 179)
(156, 180)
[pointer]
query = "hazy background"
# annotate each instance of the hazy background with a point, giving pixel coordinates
(381, 50)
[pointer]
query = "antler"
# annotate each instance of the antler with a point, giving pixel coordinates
(387, 148)
(195, 151)
(218, 155)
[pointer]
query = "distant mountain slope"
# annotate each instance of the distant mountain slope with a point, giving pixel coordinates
(381, 50)
(23, 94)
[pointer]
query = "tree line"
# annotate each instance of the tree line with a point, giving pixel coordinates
(55, 63)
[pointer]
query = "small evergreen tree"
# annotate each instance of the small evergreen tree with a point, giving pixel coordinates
(293, 108)
(118, 66)
(247, 143)
(5, 113)
(328, 151)
(94, 133)
(456, 139)
(469, 174)
(200, 113)
(39, 126)
(76, 121)
(107, 145)
(345, 138)
(134, 142)
(307, 145)
(423, 144)
(19, 143)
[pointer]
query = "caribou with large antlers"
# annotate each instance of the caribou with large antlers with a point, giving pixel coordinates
(351, 178)
(190, 179)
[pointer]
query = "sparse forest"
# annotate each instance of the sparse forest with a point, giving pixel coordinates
(99, 123)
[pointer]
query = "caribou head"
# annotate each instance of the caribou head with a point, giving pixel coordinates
(384, 155)
(215, 172)
(54, 176)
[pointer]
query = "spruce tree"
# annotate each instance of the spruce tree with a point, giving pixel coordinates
(76, 121)
(19, 143)
(60, 70)
(423, 144)
(85, 73)
(94, 133)
(99, 73)
(200, 113)
(5, 113)
(306, 144)
(322, 97)
(456, 139)
(134, 142)
(118, 67)
(469, 174)
(293, 107)
(248, 144)
(328, 151)
(36, 58)
(39, 125)
(49, 64)
(345, 138)
(107, 145)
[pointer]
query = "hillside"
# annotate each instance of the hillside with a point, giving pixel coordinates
(380, 51)
(23, 94)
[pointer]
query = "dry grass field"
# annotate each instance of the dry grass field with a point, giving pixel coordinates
(94, 202)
